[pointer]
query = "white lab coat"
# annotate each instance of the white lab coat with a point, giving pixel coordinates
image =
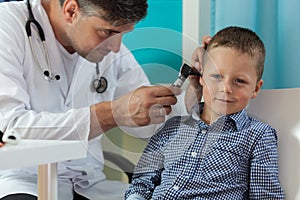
(36, 108)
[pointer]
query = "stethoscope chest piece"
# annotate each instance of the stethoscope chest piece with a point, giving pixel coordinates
(100, 85)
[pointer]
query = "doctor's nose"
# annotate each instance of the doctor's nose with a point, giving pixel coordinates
(114, 42)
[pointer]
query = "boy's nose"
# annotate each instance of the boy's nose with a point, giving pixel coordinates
(227, 87)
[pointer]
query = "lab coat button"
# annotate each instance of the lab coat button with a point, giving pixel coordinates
(68, 105)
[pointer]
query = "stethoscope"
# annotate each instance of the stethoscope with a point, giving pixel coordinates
(99, 84)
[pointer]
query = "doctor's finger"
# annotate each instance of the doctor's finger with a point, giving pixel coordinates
(159, 110)
(197, 55)
(166, 100)
(158, 113)
(162, 91)
(205, 41)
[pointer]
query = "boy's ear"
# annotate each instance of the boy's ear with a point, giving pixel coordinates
(257, 88)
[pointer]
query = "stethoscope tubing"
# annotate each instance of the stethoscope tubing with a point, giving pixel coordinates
(99, 84)
(31, 20)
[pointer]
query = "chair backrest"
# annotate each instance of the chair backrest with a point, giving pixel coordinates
(280, 108)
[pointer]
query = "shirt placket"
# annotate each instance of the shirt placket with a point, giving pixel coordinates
(191, 160)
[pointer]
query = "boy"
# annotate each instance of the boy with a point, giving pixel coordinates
(218, 152)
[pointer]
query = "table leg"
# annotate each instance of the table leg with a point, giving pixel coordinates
(47, 181)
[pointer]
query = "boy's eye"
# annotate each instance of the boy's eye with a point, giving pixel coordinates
(217, 76)
(239, 81)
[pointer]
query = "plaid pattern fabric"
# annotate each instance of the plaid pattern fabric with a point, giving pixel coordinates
(233, 158)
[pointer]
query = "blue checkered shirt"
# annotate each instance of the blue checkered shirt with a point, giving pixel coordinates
(233, 158)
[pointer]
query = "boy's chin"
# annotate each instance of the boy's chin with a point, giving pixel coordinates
(226, 112)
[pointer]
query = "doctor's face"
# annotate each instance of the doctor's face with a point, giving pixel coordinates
(93, 38)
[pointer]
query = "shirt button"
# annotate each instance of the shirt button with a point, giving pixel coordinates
(203, 131)
(194, 154)
(176, 187)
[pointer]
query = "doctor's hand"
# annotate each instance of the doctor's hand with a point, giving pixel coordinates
(197, 61)
(145, 105)
(194, 90)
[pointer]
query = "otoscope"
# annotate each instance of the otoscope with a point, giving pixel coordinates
(185, 71)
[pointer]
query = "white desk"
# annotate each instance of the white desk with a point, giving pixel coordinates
(45, 154)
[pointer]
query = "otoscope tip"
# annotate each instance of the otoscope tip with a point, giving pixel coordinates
(186, 70)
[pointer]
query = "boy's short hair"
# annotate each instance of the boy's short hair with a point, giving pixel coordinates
(242, 40)
(117, 12)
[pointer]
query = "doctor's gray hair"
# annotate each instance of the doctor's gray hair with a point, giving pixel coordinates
(117, 12)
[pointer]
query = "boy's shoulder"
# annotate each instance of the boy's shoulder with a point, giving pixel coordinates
(258, 128)
(256, 122)
(250, 127)
(244, 120)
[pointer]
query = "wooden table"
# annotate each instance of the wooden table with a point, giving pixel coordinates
(45, 154)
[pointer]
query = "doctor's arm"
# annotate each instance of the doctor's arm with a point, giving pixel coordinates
(143, 106)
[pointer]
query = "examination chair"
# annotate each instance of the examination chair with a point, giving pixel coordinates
(120, 162)
(280, 108)
(121, 153)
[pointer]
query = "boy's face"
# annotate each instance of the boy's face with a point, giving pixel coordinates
(229, 82)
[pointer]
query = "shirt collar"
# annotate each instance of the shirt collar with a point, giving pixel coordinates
(240, 119)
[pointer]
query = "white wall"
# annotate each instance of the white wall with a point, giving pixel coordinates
(196, 23)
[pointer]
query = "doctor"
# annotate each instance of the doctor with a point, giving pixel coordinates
(66, 75)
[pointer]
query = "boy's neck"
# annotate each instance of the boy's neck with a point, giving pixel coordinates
(206, 115)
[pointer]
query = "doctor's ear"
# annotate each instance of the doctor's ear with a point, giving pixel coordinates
(70, 8)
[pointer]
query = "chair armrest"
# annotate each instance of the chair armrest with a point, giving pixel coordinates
(123, 163)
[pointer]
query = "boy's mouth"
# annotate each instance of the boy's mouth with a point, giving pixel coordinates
(224, 100)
